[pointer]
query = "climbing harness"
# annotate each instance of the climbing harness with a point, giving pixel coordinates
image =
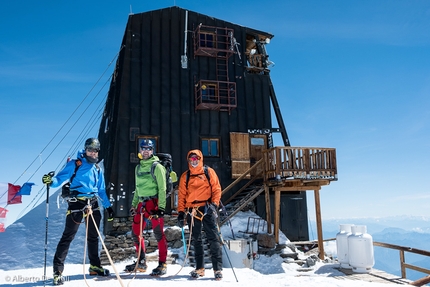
(84, 209)
(197, 213)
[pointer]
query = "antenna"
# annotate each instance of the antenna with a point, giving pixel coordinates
(131, 12)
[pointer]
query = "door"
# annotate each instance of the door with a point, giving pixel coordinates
(240, 154)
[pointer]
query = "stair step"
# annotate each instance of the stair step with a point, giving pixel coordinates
(241, 201)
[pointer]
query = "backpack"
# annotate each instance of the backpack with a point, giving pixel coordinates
(165, 160)
(205, 169)
(65, 189)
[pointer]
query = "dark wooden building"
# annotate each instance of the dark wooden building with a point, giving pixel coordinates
(187, 81)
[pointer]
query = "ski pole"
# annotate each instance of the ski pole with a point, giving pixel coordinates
(225, 250)
(231, 265)
(229, 222)
(46, 232)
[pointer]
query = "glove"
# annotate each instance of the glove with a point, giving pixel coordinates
(133, 211)
(160, 213)
(47, 179)
(181, 217)
(110, 213)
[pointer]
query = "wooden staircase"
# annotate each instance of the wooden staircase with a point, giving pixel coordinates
(245, 195)
(243, 201)
(284, 170)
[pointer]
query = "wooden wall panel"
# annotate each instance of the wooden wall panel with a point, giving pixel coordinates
(240, 159)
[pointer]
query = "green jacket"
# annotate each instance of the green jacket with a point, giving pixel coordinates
(146, 186)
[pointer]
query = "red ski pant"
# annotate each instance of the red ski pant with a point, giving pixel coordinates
(145, 211)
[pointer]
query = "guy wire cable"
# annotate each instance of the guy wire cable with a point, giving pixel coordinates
(87, 95)
(39, 194)
(37, 197)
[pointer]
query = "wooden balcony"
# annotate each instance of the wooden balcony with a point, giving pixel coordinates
(295, 166)
(292, 169)
(287, 169)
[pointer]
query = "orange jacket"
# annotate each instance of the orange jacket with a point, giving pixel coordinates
(199, 190)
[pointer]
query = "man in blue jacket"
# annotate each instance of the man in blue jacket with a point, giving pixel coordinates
(87, 187)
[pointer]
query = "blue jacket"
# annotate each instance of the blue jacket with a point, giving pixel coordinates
(89, 180)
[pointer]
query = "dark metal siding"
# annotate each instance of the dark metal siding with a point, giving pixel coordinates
(151, 92)
(293, 217)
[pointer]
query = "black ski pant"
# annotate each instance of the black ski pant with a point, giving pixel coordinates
(209, 225)
(74, 218)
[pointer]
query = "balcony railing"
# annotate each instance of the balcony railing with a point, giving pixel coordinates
(212, 41)
(215, 95)
(302, 163)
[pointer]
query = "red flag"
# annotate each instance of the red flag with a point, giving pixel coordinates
(3, 212)
(2, 218)
(12, 198)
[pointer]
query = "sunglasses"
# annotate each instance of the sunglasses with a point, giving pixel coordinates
(194, 158)
(93, 149)
(146, 148)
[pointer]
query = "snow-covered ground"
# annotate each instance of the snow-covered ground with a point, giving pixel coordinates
(23, 262)
(281, 274)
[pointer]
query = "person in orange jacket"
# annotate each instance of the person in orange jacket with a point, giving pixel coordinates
(198, 200)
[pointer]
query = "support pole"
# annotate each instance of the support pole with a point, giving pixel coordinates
(277, 213)
(319, 224)
(268, 210)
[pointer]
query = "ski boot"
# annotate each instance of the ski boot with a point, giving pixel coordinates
(97, 270)
(160, 270)
(58, 278)
(197, 273)
(140, 267)
(218, 275)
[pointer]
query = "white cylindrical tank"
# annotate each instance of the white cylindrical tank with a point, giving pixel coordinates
(360, 249)
(342, 245)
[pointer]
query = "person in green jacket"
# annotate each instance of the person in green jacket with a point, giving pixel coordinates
(149, 203)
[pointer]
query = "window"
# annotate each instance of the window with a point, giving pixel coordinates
(210, 147)
(257, 141)
(209, 93)
(207, 40)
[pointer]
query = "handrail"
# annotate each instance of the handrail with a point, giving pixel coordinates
(304, 163)
(403, 264)
(244, 187)
(258, 163)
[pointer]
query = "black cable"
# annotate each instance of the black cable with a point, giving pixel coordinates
(37, 198)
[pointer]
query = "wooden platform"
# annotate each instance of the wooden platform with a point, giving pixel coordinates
(374, 275)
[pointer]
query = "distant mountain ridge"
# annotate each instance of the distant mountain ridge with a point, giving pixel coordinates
(377, 224)
(17, 242)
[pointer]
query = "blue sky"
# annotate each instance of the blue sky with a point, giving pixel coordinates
(352, 75)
